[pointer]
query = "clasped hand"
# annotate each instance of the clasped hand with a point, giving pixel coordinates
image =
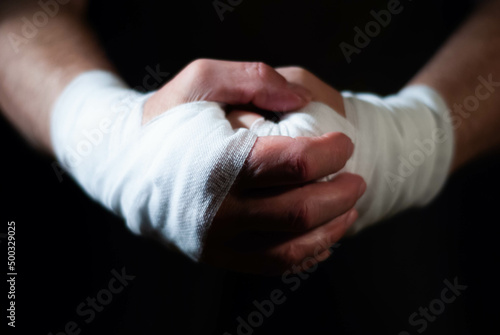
(275, 215)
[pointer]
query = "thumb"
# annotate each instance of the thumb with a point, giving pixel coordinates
(240, 83)
(233, 83)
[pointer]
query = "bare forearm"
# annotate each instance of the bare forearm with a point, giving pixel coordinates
(34, 71)
(461, 72)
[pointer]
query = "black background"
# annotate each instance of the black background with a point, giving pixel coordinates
(67, 245)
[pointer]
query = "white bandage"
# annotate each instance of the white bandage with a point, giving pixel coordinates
(166, 178)
(403, 145)
(169, 177)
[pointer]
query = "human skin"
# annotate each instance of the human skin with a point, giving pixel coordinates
(302, 220)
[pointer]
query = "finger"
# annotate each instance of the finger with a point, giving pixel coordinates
(248, 82)
(242, 119)
(315, 243)
(262, 255)
(281, 160)
(304, 208)
(321, 91)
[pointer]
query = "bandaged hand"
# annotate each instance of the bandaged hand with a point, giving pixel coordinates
(403, 142)
(173, 167)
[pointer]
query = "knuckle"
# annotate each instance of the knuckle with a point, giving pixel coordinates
(200, 67)
(289, 256)
(299, 167)
(301, 217)
(259, 70)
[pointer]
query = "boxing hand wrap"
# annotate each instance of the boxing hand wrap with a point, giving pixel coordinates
(166, 178)
(403, 145)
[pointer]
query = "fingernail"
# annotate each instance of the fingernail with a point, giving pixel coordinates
(362, 189)
(351, 217)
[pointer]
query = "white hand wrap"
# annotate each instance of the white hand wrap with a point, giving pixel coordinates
(166, 178)
(403, 145)
(169, 177)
